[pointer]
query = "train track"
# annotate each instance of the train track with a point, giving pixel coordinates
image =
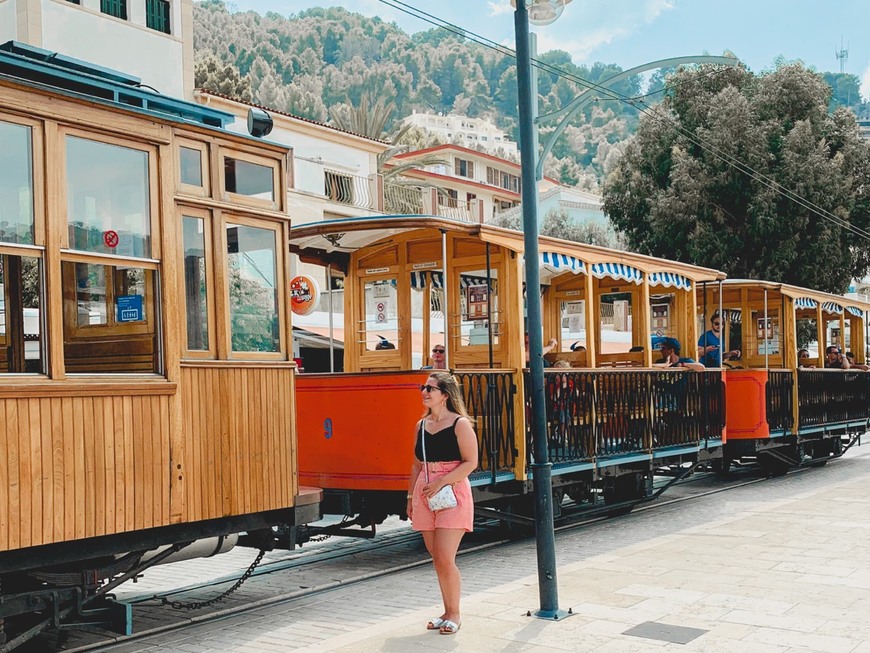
(402, 548)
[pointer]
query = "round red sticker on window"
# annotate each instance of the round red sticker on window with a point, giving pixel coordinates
(110, 238)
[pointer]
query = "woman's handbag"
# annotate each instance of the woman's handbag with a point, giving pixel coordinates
(445, 498)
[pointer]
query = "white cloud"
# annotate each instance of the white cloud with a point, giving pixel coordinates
(654, 8)
(582, 47)
(865, 83)
(500, 8)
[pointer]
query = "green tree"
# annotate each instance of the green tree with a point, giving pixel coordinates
(672, 195)
(211, 74)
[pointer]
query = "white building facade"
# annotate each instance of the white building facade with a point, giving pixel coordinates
(148, 39)
(465, 131)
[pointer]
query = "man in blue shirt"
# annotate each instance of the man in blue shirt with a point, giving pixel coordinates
(709, 345)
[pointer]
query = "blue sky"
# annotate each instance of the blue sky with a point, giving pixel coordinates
(632, 32)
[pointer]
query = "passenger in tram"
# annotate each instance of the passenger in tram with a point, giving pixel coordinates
(438, 358)
(546, 349)
(804, 358)
(710, 345)
(853, 365)
(670, 349)
(834, 360)
(448, 444)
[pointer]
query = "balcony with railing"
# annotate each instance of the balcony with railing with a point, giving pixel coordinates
(409, 199)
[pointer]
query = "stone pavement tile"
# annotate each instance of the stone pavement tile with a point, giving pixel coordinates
(802, 641)
(806, 568)
(863, 647)
(751, 603)
(714, 644)
(630, 615)
(774, 621)
(851, 626)
(659, 592)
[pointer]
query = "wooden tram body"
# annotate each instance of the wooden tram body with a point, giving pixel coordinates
(612, 417)
(146, 386)
(785, 411)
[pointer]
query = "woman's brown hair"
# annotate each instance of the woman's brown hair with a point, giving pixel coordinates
(450, 387)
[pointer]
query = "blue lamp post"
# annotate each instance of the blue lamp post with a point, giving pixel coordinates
(541, 12)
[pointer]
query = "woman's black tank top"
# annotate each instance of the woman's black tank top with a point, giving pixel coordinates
(441, 446)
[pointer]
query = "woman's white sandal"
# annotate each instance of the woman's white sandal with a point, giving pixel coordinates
(435, 624)
(449, 627)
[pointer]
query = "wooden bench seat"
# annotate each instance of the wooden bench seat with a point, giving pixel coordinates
(118, 354)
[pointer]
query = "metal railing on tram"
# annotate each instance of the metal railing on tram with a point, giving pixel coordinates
(832, 397)
(596, 413)
(780, 400)
(489, 398)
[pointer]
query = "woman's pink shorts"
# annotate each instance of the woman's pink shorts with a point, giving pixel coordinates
(462, 516)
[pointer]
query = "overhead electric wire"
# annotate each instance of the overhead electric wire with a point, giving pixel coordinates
(644, 108)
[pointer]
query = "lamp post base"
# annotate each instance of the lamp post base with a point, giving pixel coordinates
(551, 615)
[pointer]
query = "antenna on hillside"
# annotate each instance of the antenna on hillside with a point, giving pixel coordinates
(842, 55)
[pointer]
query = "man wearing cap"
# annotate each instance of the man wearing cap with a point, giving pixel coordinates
(670, 348)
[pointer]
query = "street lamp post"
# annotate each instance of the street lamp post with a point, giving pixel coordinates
(541, 468)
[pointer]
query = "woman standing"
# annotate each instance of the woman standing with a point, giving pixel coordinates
(451, 455)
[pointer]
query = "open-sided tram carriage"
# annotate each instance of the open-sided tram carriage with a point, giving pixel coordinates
(613, 419)
(146, 384)
(782, 410)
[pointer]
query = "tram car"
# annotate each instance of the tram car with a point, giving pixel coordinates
(146, 383)
(783, 408)
(420, 282)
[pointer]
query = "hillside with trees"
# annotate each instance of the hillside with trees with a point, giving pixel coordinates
(322, 63)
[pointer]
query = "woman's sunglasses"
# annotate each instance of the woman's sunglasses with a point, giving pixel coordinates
(436, 350)
(429, 388)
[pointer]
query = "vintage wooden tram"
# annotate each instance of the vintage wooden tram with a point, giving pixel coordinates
(613, 418)
(784, 410)
(146, 383)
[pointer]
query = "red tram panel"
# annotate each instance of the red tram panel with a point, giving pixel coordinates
(746, 404)
(337, 450)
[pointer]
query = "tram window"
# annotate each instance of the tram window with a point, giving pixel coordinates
(253, 291)
(195, 282)
(478, 307)
(615, 320)
(380, 330)
(766, 332)
(191, 166)
(16, 184)
(20, 319)
(573, 313)
(108, 204)
(108, 318)
(247, 178)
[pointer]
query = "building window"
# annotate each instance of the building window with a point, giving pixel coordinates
(157, 15)
(491, 176)
(191, 166)
(116, 8)
(253, 288)
(16, 184)
(108, 198)
(464, 168)
(74, 2)
(251, 179)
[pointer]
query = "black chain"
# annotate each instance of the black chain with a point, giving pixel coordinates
(197, 605)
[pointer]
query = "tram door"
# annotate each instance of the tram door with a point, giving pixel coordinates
(20, 331)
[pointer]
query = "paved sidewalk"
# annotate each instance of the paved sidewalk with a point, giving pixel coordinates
(791, 575)
(779, 566)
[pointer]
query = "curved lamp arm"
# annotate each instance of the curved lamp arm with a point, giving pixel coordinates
(573, 108)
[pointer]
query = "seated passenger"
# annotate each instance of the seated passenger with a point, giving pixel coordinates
(670, 349)
(834, 360)
(804, 358)
(546, 349)
(709, 345)
(438, 358)
(853, 365)
(562, 363)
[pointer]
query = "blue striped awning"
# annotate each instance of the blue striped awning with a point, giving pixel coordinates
(562, 262)
(670, 280)
(617, 271)
(832, 307)
(804, 302)
(857, 312)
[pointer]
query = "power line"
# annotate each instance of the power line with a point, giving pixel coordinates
(642, 107)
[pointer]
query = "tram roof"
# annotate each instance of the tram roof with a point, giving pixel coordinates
(800, 293)
(330, 240)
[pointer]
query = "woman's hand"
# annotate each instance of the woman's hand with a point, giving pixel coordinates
(433, 488)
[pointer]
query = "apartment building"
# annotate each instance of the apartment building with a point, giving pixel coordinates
(151, 40)
(467, 132)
